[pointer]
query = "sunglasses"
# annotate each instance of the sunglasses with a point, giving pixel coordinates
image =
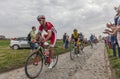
(40, 19)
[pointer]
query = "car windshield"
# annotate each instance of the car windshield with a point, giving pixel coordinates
(22, 39)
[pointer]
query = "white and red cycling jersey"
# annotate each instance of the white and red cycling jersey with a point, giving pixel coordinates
(49, 27)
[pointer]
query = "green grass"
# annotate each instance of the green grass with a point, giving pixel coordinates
(115, 62)
(12, 59)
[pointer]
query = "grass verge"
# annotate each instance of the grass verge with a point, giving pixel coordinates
(115, 62)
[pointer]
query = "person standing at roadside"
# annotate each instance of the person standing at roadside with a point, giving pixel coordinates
(115, 33)
(64, 38)
(33, 39)
(67, 41)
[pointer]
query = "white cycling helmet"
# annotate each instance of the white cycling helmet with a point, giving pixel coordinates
(40, 17)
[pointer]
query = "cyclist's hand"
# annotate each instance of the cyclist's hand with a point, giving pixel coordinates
(72, 42)
(42, 40)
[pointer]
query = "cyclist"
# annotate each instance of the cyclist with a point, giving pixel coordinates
(75, 38)
(81, 39)
(91, 40)
(51, 35)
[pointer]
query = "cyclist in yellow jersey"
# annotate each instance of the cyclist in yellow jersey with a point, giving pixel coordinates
(75, 38)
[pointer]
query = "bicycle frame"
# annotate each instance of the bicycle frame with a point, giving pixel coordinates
(40, 50)
(75, 47)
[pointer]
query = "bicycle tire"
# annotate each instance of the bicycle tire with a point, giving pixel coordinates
(56, 60)
(72, 52)
(81, 48)
(27, 65)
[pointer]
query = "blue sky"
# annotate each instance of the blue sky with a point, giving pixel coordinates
(88, 16)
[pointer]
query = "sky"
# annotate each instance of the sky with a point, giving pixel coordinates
(88, 16)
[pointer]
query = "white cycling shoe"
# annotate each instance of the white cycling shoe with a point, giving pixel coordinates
(51, 65)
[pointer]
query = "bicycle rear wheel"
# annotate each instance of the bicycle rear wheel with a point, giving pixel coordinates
(81, 48)
(33, 65)
(55, 60)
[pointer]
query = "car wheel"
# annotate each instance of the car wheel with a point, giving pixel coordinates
(15, 47)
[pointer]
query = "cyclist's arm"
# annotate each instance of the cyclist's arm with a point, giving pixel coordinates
(72, 38)
(49, 35)
(38, 36)
(40, 30)
(78, 40)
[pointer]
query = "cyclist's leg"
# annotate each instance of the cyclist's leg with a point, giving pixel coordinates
(78, 47)
(75, 48)
(81, 45)
(52, 44)
(51, 50)
(91, 44)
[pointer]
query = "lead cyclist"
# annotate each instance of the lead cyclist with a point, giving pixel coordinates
(51, 35)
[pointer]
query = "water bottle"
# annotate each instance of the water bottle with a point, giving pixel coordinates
(46, 53)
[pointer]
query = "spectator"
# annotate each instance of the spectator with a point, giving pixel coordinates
(115, 29)
(64, 38)
(67, 41)
(95, 40)
(33, 39)
(109, 41)
(81, 38)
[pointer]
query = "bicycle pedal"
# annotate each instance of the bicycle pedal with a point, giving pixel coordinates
(45, 63)
(35, 64)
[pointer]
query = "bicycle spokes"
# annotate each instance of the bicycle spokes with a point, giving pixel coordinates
(36, 60)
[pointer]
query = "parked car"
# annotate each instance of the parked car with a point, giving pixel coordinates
(20, 42)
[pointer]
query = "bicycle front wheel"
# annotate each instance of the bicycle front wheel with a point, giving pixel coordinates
(33, 65)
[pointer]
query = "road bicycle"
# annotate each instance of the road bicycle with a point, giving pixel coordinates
(73, 50)
(35, 61)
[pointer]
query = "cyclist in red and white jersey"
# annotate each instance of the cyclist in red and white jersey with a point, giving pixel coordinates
(51, 35)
